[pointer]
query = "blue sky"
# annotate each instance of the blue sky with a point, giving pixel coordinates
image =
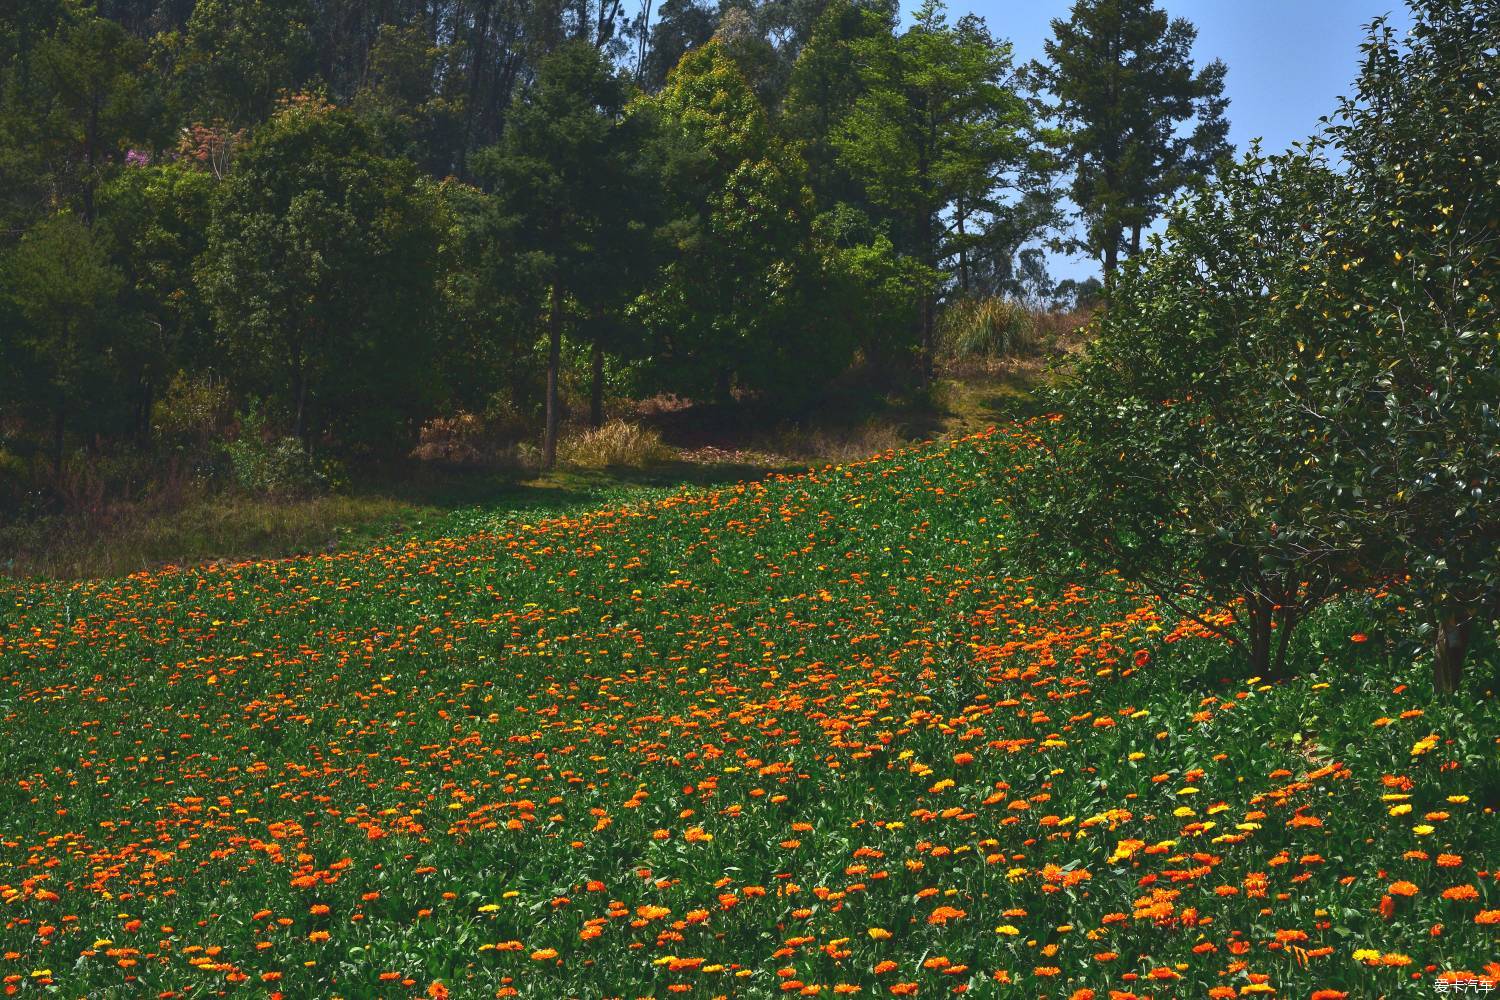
(1289, 60)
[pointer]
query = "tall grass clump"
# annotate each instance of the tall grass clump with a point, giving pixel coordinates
(617, 444)
(990, 327)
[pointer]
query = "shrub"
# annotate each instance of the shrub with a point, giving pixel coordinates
(988, 328)
(455, 440)
(267, 463)
(617, 444)
(1189, 454)
(192, 413)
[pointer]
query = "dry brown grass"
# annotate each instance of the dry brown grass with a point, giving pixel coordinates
(618, 444)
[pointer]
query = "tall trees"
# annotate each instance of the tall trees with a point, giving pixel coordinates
(930, 135)
(63, 287)
(562, 176)
(1124, 93)
(729, 303)
(319, 274)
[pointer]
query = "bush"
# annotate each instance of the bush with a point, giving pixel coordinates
(267, 463)
(989, 328)
(455, 440)
(618, 444)
(1189, 456)
(192, 413)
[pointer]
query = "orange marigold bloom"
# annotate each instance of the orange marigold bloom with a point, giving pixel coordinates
(943, 914)
(1402, 889)
(1461, 893)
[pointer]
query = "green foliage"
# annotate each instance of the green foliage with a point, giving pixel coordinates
(191, 413)
(237, 57)
(63, 289)
(1123, 90)
(320, 274)
(1190, 456)
(731, 302)
(265, 463)
(1413, 262)
(932, 127)
(1294, 393)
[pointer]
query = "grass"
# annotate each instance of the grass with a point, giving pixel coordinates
(615, 461)
(811, 735)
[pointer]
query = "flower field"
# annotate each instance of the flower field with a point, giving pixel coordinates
(800, 737)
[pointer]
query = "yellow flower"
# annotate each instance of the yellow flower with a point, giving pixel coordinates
(1007, 930)
(879, 933)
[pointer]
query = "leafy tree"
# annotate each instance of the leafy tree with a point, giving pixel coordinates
(236, 59)
(730, 302)
(562, 177)
(63, 288)
(1122, 79)
(319, 274)
(681, 25)
(1193, 455)
(92, 99)
(932, 129)
(1411, 264)
(157, 218)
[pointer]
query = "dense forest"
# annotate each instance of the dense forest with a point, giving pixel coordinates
(296, 231)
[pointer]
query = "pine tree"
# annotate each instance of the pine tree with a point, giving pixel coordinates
(1123, 88)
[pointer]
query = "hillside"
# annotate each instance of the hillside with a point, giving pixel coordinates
(802, 736)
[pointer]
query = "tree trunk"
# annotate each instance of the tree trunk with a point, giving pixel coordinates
(929, 254)
(1135, 239)
(554, 360)
(1111, 256)
(596, 390)
(1449, 650)
(1260, 613)
(299, 378)
(59, 429)
(963, 251)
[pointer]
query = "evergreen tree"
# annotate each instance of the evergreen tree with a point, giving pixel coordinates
(561, 175)
(933, 128)
(319, 275)
(1123, 88)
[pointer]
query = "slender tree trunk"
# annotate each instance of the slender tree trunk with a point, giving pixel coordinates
(1111, 256)
(1451, 646)
(554, 360)
(59, 429)
(929, 255)
(1135, 239)
(963, 250)
(596, 390)
(299, 386)
(1260, 613)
